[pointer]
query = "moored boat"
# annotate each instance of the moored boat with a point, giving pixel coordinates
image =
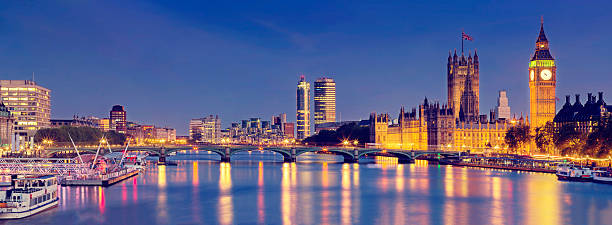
(28, 195)
(571, 172)
(602, 176)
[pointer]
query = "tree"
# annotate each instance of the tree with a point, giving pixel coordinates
(544, 138)
(517, 136)
(80, 135)
(569, 141)
(599, 143)
(349, 132)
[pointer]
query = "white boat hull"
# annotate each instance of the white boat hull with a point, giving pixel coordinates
(28, 211)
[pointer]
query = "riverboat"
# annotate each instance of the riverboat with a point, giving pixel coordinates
(28, 195)
(602, 176)
(571, 172)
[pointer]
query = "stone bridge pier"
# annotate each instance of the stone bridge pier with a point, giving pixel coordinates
(225, 157)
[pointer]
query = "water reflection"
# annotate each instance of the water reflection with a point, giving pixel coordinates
(542, 202)
(261, 205)
(331, 193)
(325, 202)
(285, 194)
(225, 205)
(345, 205)
(162, 196)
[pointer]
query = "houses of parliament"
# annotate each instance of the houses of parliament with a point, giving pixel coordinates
(458, 124)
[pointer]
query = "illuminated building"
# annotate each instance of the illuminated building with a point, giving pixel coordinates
(542, 83)
(433, 127)
(464, 85)
(279, 121)
(104, 124)
(118, 118)
(207, 129)
(585, 118)
(303, 109)
(149, 134)
(6, 126)
(502, 111)
(324, 101)
(29, 104)
(289, 130)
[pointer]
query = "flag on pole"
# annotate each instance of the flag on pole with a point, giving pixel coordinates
(466, 36)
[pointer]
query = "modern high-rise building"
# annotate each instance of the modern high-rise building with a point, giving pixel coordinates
(118, 118)
(303, 109)
(279, 120)
(324, 101)
(502, 111)
(207, 129)
(29, 104)
(542, 83)
(464, 85)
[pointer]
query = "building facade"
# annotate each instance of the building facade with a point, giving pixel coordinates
(324, 101)
(463, 85)
(434, 127)
(542, 83)
(7, 123)
(30, 105)
(585, 118)
(118, 118)
(207, 129)
(502, 111)
(303, 109)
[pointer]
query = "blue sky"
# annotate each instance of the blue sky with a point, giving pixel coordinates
(169, 61)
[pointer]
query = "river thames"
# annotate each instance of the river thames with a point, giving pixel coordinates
(254, 189)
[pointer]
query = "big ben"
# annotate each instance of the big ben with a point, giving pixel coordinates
(542, 83)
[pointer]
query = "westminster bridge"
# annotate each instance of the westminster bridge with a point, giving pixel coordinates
(290, 154)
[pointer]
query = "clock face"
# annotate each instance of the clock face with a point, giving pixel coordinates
(532, 75)
(546, 74)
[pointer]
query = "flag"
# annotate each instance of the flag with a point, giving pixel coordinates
(466, 36)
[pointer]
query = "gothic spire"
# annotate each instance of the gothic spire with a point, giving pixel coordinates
(542, 36)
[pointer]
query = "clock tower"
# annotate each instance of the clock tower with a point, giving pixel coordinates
(542, 83)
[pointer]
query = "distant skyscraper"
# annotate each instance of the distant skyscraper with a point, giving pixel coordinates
(118, 117)
(502, 111)
(29, 104)
(324, 101)
(207, 129)
(303, 109)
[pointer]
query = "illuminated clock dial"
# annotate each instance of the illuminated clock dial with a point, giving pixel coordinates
(532, 75)
(546, 74)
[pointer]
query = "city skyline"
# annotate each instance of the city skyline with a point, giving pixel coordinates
(399, 63)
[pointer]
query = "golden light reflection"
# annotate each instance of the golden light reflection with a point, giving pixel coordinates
(399, 178)
(101, 200)
(450, 208)
(356, 174)
(261, 206)
(497, 211)
(161, 176)
(325, 195)
(195, 176)
(345, 205)
(464, 182)
(225, 206)
(162, 196)
(543, 203)
(285, 194)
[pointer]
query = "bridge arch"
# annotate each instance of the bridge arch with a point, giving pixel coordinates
(286, 154)
(347, 154)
